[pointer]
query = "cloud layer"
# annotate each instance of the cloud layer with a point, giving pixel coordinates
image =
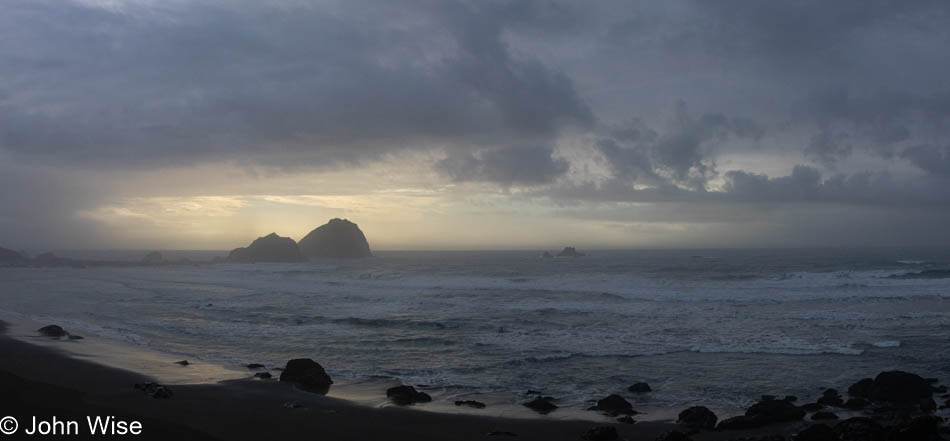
(736, 106)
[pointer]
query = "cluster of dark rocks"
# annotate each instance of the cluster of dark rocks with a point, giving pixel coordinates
(154, 390)
(894, 406)
(338, 238)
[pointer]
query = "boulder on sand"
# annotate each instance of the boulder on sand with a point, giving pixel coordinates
(471, 403)
(53, 331)
(406, 395)
(899, 387)
(270, 248)
(307, 374)
(338, 238)
(698, 417)
(765, 412)
(614, 405)
(542, 405)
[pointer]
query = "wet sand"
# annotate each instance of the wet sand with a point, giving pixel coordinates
(44, 381)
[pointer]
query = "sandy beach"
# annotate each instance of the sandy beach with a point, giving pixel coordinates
(43, 381)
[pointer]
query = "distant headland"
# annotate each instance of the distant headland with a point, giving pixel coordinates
(337, 239)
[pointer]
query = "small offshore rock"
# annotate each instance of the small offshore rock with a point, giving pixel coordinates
(75, 337)
(406, 395)
(263, 375)
(255, 366)
(183, 362)
(818, 416)
(639, 388)
(53, 331)
(470, 403)
(601, 433)
(698, 417)
(542, 405)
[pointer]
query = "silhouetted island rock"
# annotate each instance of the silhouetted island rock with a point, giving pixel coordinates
(12, 258)
(339, 238)
(570, 252)
(153, 258)
(270, 248)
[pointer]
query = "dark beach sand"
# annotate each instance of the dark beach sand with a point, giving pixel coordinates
(42, 381)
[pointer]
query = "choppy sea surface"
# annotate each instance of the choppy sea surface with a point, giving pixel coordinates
(712, 327)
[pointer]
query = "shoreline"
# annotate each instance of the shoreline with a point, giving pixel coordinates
(161, 367)
(45, 380)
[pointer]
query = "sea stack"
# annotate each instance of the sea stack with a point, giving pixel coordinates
(339, 238)
(270, 248)
(12, 258)
(570, 252)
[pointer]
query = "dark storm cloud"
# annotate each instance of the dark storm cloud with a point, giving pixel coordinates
(684, 152)
(845, 103)
(291, 84)
(507, 166)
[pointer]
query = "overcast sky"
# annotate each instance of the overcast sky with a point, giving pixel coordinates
(202, 124)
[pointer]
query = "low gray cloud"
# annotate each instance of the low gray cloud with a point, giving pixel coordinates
(292, 85)
(824, 105)
(684, 153)
(507, 166)
(930, 158)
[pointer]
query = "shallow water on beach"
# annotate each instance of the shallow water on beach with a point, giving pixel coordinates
(712, 327)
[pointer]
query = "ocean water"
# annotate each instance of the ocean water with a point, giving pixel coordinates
(712, 327)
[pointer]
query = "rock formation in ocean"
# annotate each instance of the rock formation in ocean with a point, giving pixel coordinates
(339, 238)
(570, 252)
(153, 258)
(12, 258)
(270, 248)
